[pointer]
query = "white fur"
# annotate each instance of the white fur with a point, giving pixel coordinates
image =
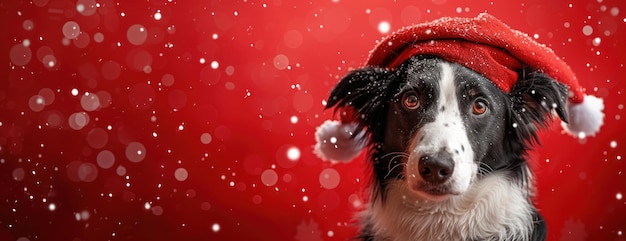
(494, 208)
(586, 118)
(446, 133)
(336, 141)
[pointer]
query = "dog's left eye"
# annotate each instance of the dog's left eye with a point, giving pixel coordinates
(480, 106)
(411, 102)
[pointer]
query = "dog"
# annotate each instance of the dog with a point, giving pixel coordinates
(448, 149)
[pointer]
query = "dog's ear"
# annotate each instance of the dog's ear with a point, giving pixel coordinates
(365, 91)
(533, 99)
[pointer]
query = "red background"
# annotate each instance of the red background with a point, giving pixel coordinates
(211, 88)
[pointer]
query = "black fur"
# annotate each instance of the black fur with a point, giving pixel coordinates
(500, 140)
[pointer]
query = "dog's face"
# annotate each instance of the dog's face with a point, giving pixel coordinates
(440, 126)
(453, 115)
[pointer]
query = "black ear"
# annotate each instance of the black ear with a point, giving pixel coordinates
(365, 90)
(533, 98)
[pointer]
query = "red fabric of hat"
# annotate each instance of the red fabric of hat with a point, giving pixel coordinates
(483, 44)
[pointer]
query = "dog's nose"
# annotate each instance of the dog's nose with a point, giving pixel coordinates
(436, 169)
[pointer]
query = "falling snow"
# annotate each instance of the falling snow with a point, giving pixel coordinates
(118, 118)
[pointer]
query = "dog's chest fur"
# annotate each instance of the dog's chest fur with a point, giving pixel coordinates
(494, 209)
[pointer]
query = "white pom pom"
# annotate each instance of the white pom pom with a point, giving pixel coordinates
(335, 141)
(586, 118)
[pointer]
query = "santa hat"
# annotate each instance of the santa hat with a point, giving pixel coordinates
(483, 44)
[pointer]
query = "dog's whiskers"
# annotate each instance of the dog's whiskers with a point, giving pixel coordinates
(392, 160)
(397, 153)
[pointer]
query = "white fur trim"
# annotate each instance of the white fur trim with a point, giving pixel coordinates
(335, 142)
(586, 118)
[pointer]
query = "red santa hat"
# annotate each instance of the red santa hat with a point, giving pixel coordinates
(483, 44)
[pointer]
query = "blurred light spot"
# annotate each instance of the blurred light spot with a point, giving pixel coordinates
(205, 206)
(52, 207)
(329, 178)
(167, 80)
(206, 138)
(281, 62)
(293, 154)
(618, 196)
(215, 227)
(135, 152)
(293, 119)
(47, 95)
(292, 39)
(78, 120)
(257, 199)
(587, 30)
(596, 41)
(614, 11)
(81, 41)
(87, 172)
(137, 34)
(54, 120)
(84, 216)
(181, 174)
(74, 92)
(287, 177)
(20, 55)
(36, 103)
(97, 138)
(384, 27)
(613, 144)
(229, 85)
(105, 159)
(355, 201)
(120, 171)
(71, 29)
(86, 7)
(140, 60)
(49, 61)
(18, 174)
(89, 101)
(269, 177)
(98, 37)
(104, 97)
(157, 15)
(229, 70)
(202, 60)
(28, 25)
(215, 64)
(157, 210)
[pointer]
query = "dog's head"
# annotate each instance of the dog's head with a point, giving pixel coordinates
(440, 126)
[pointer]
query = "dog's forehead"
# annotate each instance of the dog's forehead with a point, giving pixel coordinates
(423, 71)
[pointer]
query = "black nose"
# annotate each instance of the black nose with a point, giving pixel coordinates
(436, 169)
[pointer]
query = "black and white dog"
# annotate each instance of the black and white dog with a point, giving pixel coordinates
(448, 150)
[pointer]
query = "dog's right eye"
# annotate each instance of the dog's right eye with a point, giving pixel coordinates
(411, 101)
